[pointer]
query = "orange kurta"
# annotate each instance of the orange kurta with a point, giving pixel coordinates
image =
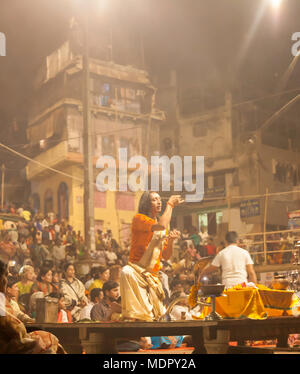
(141, 235)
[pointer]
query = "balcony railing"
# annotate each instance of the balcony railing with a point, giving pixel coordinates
(274, 247)
(42, 163)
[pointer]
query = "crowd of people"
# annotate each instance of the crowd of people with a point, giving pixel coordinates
(282, 247)
(42, 253)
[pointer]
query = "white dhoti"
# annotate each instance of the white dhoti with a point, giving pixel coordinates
(141, 290)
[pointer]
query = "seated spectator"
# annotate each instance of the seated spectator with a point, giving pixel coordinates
(56, 278)
(58, 253)
(100, 256)
(23, 229)
(211, 249)
(22, 251)
(203, 235)
(27, 277)
(111, 256)
(91, 276)
(44, 223)
(191, 254)
(74, 291)
(14, 338)
(64, 315)
(26, 214)
(7, 248)
(38, 253)
(56, 229)
(166, 342)
(195, 237)
(185, 234)
(70, 252)
(43, 282)
(12, 293)
(13, 232)
(101, 276)
(46, 236)
(96, 296)
(108, 308)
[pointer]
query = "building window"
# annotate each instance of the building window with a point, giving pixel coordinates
(219, 180)
(36, 203)
(108, 145)
(211, 222)
(63, 201)
(187, 222)
(48, 202)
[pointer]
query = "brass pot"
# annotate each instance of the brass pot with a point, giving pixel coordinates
(212, 289)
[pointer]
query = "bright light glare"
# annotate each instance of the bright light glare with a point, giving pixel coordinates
(276, 3)
(102, 4)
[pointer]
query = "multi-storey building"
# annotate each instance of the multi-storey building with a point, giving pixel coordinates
(242, 162)
(122, 115)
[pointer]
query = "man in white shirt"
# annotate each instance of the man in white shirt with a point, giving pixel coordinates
(235, 263)
(59, 252)
(111, 256)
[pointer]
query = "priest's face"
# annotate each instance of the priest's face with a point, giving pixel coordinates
(155, 204)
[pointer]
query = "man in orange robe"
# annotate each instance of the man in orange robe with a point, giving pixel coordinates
(141, 290)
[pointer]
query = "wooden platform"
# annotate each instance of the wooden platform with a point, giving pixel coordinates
(208, 337)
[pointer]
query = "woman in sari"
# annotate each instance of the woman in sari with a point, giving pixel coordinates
(74, 292)
(27, 276)
(41, 288)
(141, 290)
(43, 282)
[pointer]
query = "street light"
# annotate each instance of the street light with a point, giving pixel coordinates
(275, 3)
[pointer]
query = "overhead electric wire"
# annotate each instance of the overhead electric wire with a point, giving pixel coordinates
(135, 127)
(81, 180)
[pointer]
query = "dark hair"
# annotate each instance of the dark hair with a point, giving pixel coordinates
(95, 292)
(94, 272)
(67, 265)
(145, 203)
(231, 237)
(43, 271)
(102, 269)
(11, 281)
(109, 285)
(3, 268)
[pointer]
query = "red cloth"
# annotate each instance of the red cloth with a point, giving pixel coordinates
(60, 314)
(211, 249)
